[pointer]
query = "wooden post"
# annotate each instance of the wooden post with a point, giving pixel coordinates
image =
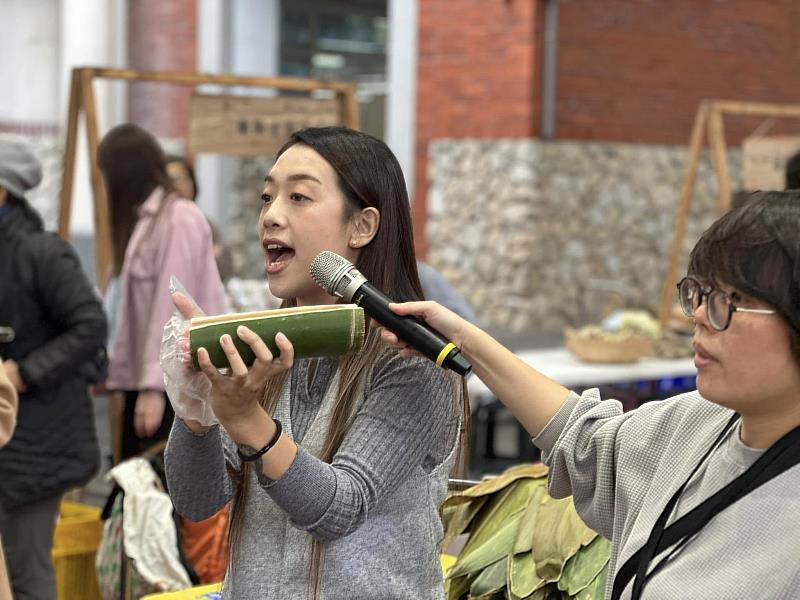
(758, 109)
(695, 146)
(101, 223)
(70, 144)
(348, 107)
(116, 419)
(716, 142)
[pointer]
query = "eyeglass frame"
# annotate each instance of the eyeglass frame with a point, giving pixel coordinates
(705, 293)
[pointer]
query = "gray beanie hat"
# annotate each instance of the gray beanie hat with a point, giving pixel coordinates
(20, 170)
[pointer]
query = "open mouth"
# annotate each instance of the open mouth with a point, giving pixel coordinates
(277, 256)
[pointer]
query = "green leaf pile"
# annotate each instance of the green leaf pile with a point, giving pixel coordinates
(522, 544)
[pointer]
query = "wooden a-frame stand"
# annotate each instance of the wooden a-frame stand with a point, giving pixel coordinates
(708, 120)
(81, 98)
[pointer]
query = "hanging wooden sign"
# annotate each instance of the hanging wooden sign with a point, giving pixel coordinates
(254, 126)
(764, 161)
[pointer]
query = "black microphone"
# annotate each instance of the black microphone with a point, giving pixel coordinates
(340, 278)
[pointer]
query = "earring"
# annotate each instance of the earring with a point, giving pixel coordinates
(353, 244)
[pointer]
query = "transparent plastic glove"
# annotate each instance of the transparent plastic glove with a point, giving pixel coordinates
(189, 391)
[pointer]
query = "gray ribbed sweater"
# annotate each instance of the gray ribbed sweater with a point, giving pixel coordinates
(375, 506)
(623, 468)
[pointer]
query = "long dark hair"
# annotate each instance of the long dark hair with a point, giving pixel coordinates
(755, 248)
(132, 163)
(368, 175)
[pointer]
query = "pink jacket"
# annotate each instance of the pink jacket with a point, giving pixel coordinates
(176, 241)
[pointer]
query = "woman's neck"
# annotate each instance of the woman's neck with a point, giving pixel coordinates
(761, 430)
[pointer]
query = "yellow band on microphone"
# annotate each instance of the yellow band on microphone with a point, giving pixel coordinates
(443, 354)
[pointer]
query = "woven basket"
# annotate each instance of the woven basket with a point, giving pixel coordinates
(620, 347)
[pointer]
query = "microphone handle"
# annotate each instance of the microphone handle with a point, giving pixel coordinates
(417, 334)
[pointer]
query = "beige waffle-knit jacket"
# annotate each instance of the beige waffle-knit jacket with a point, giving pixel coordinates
(8, 420)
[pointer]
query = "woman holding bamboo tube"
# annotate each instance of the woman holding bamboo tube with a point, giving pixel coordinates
(697, 493)
(336, 467)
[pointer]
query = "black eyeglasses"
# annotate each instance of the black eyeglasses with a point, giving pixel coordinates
(719, 305)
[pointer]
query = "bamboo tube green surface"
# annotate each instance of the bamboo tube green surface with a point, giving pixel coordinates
(333, 330)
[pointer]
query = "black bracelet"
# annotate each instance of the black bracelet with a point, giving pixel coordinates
(265, 449)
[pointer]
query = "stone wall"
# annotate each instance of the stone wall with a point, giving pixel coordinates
(540, 234)
(247, 183)
(49, 150)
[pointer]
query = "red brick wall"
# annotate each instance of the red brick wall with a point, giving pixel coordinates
(627, 70)
(162, 36)
(476, 78)
(635, 70)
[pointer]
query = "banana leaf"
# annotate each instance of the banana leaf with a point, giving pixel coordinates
(524, 541)
(500, 595)
(582, 569)
(491, 485)
(596, 589)
(497, 546)
(547, 592)
(522, 577)
(491, 580)
(456, 588)
(558, 535)
(456, 519)
(510, 501)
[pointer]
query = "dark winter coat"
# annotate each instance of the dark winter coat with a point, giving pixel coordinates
(60, 327)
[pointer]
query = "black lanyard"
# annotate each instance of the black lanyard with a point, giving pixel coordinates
(782, 455)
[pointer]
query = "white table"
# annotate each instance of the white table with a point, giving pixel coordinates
(561, 366)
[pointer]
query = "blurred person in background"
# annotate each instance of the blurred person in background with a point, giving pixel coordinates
(435, 287)
(241, 294)
(59, 329)
(156, 233)
(792, 173)
(181, 174)
(8, 420)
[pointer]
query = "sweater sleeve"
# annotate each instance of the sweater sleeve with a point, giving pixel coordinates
(599, 454)
(408, 417)
(73, 306)
(196, 469)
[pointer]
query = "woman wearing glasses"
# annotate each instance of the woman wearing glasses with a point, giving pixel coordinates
(698, 493)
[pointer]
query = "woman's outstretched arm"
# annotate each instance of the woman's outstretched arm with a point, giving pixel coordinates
(531, 397)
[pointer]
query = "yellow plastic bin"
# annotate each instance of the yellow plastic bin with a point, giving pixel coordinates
(210, 592)
(203, 592)
(75, 542)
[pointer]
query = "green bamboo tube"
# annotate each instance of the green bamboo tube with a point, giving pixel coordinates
(327, 330)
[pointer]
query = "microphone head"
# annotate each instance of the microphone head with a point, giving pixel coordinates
(336, 275)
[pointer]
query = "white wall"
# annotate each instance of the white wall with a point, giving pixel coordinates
(92, 33)
(29, 48)
(240, 37)
(401, 74)
(42, 41)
